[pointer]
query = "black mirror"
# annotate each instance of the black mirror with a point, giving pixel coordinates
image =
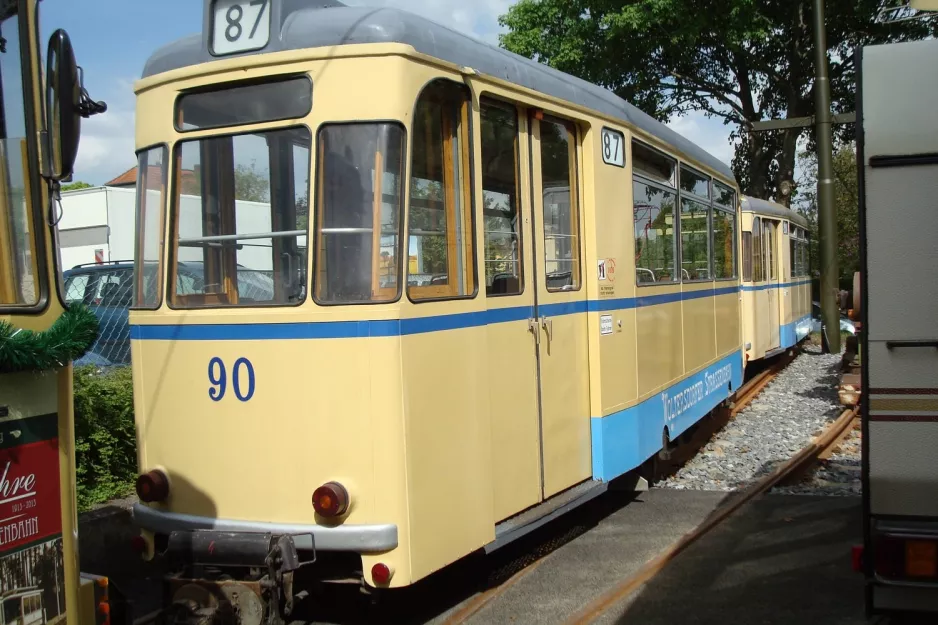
(63, 102)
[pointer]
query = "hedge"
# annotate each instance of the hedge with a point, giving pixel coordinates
(105, 436)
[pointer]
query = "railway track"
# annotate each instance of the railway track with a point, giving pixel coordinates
(794, 468)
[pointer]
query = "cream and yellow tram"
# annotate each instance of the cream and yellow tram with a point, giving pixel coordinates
(776, 282)
(402, 295)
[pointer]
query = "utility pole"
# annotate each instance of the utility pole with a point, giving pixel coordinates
(827, 218)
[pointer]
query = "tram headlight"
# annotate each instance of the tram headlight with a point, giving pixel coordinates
(330, 500)
(152, 486)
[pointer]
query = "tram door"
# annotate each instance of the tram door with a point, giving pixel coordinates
(771, 263)
(560, 303)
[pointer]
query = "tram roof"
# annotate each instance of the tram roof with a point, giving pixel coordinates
(304, 24)
(764, 207)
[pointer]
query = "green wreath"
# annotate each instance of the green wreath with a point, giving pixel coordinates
(67, 339)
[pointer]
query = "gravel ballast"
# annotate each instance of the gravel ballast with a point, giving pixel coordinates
(795, 407)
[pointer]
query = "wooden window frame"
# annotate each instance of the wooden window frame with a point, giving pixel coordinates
(489, 100)
(380, 295)
(227, 297)
(758, 271)
(465, 194)
(675, 233)
(573, 168)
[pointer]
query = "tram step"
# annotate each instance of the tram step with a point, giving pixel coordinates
(517, 526)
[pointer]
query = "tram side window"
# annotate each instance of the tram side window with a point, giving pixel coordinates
(695, 226)
(724, 232)
(358, 256)
(654, 206)
(241, 214)
(793, 260)
(747, 257)
(151, 191)
(500, 198)
(561, 213)
(757, 273)
(19, 257)
(441, 262)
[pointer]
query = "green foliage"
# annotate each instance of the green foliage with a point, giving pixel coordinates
(738, 60)
(846, 203)
(105, 436)
(67, 339)
(250, 184)
(75, 186)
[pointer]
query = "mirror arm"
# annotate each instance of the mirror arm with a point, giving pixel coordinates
(86, 106)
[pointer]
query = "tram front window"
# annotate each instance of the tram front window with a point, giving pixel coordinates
(19, 271)
(241, 215)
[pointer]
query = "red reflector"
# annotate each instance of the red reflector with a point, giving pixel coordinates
(888, 557)
(857, 556)
(330, 500)
(921, 558)
(138, 544)
(152, 486)
(381, 574)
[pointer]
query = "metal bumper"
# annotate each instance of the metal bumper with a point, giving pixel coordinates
(354, 538)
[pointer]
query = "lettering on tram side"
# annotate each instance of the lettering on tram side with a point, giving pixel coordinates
(31, 556)
(713, 382)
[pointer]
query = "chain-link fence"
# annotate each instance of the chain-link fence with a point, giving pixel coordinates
(108, 291)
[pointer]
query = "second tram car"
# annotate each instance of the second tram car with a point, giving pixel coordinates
(435, 294)
(776, 281)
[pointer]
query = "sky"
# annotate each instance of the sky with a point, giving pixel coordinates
(113, 41)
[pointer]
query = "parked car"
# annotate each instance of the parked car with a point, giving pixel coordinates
(846, 325)
(107, 289)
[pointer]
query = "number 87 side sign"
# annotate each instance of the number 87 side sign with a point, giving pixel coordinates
(613, 147)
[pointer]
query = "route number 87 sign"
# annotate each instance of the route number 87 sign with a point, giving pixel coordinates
(240, 25)
(613, 147)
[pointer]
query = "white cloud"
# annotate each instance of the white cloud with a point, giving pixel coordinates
(107, 140)
(709, 133)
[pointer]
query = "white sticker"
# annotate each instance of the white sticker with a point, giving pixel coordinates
(605, 324)
(602, 269)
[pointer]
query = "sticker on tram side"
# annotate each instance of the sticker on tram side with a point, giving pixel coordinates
(32, 584)
(605, 324)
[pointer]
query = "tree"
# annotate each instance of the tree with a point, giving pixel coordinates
(738, 60)
(846, 202)
(75, 186)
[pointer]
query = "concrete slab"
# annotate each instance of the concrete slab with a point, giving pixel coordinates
(779, 559)
(595, 561)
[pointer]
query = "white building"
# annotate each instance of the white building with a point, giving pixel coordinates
(97, 225)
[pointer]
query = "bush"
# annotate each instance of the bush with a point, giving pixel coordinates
(105, 436)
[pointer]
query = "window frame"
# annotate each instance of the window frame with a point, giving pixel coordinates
(700, 200)
(733, 211)
(746, 256)
(234, 84)
(755, 228)
(314, 214)
(574, 171)
(714, 208)
(497, 101)
(164, 196)
(467, 152)
(172, 266)
(675, 212)
(33, 193)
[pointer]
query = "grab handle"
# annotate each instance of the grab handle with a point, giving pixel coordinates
(895, 344)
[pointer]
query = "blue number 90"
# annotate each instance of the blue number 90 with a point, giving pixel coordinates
(218, 378)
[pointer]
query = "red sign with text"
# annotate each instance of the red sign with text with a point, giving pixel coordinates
(30, 506)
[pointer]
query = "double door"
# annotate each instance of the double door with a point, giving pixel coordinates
(538, 365)
(771, 263)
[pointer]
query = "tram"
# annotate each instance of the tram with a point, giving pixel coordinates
(776, 279)
(443, 294)
(41, 105)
